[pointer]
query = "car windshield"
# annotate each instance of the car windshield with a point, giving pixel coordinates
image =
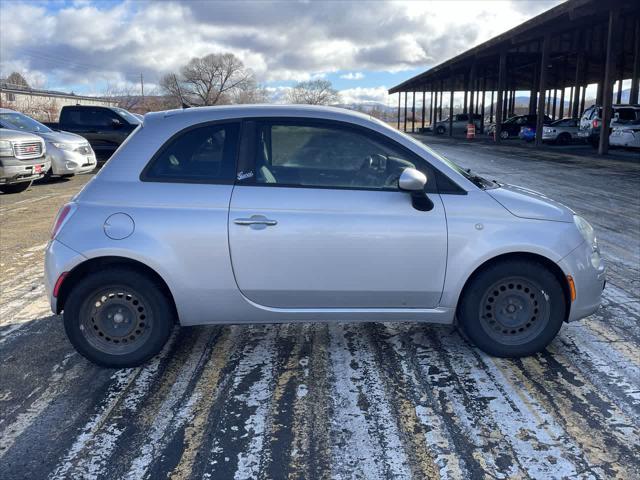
(18, 121)
(128, 116)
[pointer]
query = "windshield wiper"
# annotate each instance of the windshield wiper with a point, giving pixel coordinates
(479, 181)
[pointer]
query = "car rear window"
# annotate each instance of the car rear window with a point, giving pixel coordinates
(205, 154)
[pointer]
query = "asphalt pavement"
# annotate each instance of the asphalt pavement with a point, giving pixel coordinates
(315, 401)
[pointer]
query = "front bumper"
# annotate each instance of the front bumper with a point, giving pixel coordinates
(16, 171)
(58, 259)
(586, 267)
(69, 162)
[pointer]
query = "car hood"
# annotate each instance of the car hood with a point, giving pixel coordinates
(62, 137)
(525, 203)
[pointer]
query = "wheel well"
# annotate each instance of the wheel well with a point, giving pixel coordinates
(549, 264)
(96, 264)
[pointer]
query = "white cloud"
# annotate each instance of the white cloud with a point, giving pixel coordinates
(364, 95)
(87, 42)
(353, 76)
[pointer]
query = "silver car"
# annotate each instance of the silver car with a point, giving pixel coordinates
(252, 214)
(69, 153)
(561, 131)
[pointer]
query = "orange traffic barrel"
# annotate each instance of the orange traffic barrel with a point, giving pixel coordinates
(471, 131)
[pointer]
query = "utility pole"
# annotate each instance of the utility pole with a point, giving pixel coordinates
(142, 86)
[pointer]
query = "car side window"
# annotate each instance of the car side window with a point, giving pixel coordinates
(328, 155)
(205, 154)
(97, 117)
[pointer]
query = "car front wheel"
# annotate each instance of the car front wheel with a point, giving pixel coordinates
(15, 187)
(504, 134)
(513, 308)
(118, 318)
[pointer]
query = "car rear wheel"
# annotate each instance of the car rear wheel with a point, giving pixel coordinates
(118, 318)
(440, 130)
(512, 309)
(15, 187)
(504, 134)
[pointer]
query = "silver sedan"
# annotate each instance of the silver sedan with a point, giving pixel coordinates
(561, 131)
(252, 214)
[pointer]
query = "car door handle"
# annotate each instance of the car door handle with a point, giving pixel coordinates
(255, 220)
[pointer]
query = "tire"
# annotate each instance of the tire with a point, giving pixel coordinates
(15, 187)
(440, 130)
(504, 134)
(118, 318)
(563, 139)
(512, 309)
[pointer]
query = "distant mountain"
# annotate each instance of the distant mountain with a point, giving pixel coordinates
(368, 107)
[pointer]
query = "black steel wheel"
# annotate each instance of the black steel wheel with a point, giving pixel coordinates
(118, 317)
(513, 308)
(116, 320)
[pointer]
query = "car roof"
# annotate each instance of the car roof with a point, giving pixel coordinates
(195, 114)
(7, 110)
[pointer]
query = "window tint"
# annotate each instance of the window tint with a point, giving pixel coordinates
(203, 154)
(325, 155)
(97, 117)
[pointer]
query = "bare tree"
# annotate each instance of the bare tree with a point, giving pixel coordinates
(210, 80)
(170, 85)
(314, 92)
(124, 96)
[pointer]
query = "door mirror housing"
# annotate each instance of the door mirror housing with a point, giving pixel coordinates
(115, 123)
(411, 180)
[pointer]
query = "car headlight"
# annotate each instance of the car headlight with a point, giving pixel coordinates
(64, 146)
(5, 149)
(586, 230)
(589, 235)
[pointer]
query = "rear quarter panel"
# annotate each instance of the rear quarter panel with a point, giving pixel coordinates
(180, 232)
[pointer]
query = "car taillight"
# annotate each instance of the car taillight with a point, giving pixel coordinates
(63, 215)
(595, 124)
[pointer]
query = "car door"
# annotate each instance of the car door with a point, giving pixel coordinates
(317, 221)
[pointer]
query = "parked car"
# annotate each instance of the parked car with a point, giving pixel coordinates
(69, 153)
(561, 131)
(625, 127)
(22, 160)
(511, 127)
(528, 134)
(591, 121)
(251, 214)
(104, 127)
(460, 122)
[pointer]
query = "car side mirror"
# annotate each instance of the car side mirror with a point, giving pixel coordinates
(115, 123)
(413, 181)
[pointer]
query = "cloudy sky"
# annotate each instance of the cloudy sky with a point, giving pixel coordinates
(364, 48)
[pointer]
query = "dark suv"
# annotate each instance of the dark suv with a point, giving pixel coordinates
(105, 127)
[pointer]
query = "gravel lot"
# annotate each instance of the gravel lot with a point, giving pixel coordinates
(333, 401)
